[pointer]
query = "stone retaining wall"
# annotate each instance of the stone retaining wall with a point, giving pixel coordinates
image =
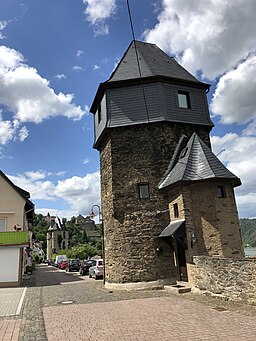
(233, 279)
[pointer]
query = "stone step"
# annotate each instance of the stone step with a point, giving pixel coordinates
(177, 288)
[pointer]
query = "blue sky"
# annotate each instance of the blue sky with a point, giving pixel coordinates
(54, 54)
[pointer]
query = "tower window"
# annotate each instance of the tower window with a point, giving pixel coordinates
(183, 100)
(176, 210)
(221, 192)
(99, 113)
(143, 191)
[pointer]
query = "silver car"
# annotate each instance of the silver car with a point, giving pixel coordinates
(97, 270)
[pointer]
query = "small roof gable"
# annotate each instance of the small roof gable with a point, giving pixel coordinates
(24, 194)
(153, 62)
(195, 162)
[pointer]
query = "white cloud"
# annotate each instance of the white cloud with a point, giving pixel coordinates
(23, 133)
(211, 36)
(96, 67)
(234, 98)
(240, 158)
(60, 76)
(77, 68)
(86, 160)
(79, 53)
(25, 93)
(35, 175)
(99, 10)
(3, 24)
(9, 130)
(38, 189)
(79, 193)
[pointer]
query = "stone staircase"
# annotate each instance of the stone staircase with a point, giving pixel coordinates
(178, 288)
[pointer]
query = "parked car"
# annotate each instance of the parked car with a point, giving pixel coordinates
(85, 265)
(63, 265)
(59, 260)
(97, 270)
(73, 265)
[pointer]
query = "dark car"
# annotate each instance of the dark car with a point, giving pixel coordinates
(85, 265)
(73, 265)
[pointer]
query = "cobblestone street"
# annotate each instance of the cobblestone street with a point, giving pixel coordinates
(61, 306)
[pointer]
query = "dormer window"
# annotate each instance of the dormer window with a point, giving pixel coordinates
(99, 113)
(184, 100)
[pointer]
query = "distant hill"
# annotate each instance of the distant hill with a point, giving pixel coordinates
(248, 230)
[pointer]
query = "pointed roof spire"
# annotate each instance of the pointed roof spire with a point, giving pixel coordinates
(153, 62)
(195, 162)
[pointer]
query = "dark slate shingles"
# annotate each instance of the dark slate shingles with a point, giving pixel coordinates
(199, 163)
(153, 62)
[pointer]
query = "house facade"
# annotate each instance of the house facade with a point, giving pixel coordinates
(16, 215)
(160, 181)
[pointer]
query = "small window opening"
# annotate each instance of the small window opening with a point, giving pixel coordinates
(99, 113)
(221, 192)
(183, 100)
(2, 224)
(143, 191)
(176, 210)
(183, 152)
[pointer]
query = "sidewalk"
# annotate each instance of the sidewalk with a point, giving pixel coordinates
(11, 300)
(150, 319)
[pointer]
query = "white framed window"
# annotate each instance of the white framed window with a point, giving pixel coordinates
(2, 224)
(184, 100)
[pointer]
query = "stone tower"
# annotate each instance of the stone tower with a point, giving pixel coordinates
(57, 237)
(140, 115)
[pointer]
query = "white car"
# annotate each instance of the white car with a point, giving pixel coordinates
(97, 270)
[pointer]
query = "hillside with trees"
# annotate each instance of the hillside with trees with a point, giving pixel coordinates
(81, 245)
(248, 230)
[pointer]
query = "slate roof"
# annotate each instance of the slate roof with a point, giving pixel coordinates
(194, 161)
(173, 229)
(153, 62)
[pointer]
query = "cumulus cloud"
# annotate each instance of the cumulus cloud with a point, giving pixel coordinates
(97, 11)
(3, 24)
(27, 95)
(86, 160)
(238, 154)
(77, 68)
(60, 76)
(211, 36)
(79, 53)
(234, 98)
(96, 67)
(79, 193)
(10, 130)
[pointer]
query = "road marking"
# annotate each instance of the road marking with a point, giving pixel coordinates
(21, 301)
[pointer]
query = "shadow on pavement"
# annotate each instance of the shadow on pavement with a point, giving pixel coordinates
(45, 275)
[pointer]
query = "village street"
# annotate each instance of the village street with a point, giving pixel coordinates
(64, 306)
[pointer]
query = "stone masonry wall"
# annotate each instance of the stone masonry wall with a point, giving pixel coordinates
(234, 279)
(213, 220)
(129, 156)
